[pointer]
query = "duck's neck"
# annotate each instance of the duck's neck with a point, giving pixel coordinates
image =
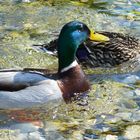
(66, 53)
(72, 80)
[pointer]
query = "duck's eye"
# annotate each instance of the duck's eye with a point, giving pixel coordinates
(80, 28)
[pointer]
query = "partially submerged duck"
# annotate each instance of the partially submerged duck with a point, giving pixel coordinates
(119, 49)
(24, 89)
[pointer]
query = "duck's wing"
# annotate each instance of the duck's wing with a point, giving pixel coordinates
(13, 80)
(20, 89)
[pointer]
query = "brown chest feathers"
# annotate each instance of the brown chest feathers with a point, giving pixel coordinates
(73, 81)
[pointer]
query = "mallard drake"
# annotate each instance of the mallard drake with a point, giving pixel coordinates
(119, 49)
(24, 88)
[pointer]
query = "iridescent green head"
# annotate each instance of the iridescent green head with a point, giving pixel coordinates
(71, 36)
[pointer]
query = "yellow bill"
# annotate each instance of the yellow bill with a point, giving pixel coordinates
(98, 37)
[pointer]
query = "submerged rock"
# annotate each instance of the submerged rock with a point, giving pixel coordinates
(111, 137)
(132, 132)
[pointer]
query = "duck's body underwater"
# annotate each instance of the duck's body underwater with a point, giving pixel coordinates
(24, 89)
(119, 49)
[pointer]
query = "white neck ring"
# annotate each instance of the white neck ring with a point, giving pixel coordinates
(73, 64)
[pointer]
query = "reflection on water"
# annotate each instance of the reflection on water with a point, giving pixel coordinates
(111, 109)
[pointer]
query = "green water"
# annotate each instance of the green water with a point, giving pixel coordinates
(111, 108)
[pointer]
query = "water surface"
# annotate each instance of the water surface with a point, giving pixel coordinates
(111, 108)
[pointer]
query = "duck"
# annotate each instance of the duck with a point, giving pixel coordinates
(32, 87)
(119, 49)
